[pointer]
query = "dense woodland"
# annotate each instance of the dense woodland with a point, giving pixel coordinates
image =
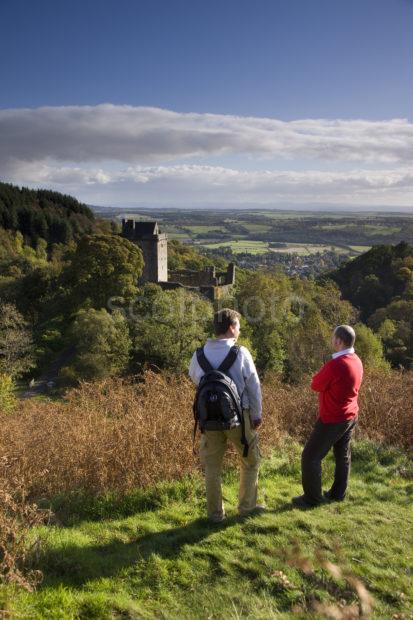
(43, 214)
(79, 292)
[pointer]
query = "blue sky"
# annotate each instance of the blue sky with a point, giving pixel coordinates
(221, 62)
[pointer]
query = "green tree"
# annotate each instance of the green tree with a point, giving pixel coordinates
(16, 344)
(369, 347)
(394, 323)
(102, 344)
(264, 301)
(307, 342)
(102, 267)
(167, 326)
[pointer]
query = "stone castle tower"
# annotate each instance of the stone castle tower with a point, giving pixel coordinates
(154, 246)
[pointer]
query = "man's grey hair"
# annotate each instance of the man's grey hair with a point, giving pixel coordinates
(346, 334)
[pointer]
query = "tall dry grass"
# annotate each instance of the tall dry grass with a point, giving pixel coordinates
(386, 408)
(118, 435)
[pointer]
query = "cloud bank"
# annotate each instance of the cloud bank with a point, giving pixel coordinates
(141, 134)
(126, 152)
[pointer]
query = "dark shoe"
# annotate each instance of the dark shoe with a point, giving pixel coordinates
(300, 502)
(330, 498)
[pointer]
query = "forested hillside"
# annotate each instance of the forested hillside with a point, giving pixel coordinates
(380, 284)
(83, 293)
(45, 214)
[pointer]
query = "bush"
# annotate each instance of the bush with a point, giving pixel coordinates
(7, 398)
(17, 546)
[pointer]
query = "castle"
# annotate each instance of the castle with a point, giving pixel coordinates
(154, 245)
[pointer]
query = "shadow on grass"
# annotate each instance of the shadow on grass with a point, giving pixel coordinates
(74, 565)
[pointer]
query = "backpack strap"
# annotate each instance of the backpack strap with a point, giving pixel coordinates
(194, 437)
(230, 359)
(244, 441)
(202, 360)
(224, 367)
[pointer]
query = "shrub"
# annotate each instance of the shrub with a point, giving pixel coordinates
(17, 545)
(8, 400)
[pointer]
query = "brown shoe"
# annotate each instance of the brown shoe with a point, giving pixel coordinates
(217, 519)
(259, 509)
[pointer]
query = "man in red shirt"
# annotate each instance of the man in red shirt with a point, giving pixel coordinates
(338, 384)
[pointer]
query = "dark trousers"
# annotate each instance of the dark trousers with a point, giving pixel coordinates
(322, 439)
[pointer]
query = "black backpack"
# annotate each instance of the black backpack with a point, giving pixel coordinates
(217, 405)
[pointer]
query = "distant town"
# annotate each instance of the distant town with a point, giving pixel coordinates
(297, 243)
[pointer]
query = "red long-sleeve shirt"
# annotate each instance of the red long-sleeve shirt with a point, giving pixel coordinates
(338, 384)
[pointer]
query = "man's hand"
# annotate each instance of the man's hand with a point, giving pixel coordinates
(256, 424)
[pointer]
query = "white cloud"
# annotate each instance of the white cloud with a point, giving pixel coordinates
(109, 154)
(148, 135)
(191, 184)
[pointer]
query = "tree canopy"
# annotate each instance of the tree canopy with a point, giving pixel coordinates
(55, 217)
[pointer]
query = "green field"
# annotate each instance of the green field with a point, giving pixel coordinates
(238, 246)
(302, 249)
(359, 248)
(305, 249)
(204, 228)
(255, 228)
(154, 556)
(370, 229)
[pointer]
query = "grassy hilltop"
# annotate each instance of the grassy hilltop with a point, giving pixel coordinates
(128, 537)
(101, 498)
(155, 556)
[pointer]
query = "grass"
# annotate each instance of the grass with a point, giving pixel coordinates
(153, 555)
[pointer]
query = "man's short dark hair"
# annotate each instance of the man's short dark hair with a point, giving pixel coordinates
(223, 319)
(346, 334)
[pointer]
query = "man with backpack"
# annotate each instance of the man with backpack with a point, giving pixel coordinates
(227, 408)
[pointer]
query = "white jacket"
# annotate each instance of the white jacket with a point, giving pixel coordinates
(242, 372)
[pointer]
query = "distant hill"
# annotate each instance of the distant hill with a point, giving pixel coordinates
(56, 217)
(380, 284)
(377, 277)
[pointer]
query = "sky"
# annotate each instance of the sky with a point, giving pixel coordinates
(229, 103)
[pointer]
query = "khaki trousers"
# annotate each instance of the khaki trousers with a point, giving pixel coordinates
(212, 450)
